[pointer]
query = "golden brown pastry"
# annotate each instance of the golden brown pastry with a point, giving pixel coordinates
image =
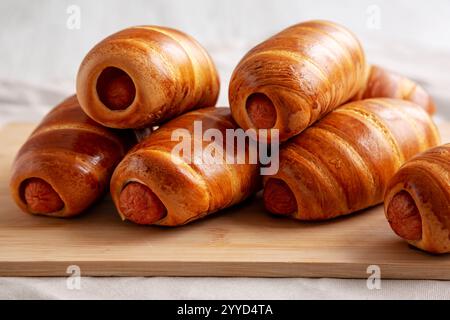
(343, 163)
(151, 186)
(417, 200)
(296, 77)
(66, 163)
(382, 83)
(144, 75)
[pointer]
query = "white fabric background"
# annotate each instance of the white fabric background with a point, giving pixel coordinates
(220, 288)
(40, 57)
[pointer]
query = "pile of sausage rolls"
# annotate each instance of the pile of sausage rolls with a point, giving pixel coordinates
(353, 135)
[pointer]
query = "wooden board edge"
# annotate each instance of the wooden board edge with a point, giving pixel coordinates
(215, 269)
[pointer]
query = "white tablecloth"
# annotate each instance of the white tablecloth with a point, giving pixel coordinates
(219, 288)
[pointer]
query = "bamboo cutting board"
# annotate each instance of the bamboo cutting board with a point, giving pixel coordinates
(241, 241)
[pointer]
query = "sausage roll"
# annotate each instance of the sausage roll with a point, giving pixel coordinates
(382, 83)
(417, 201)
(158, 183)
(66, 163)
(296, 77)
(145, 75)
(343, 163)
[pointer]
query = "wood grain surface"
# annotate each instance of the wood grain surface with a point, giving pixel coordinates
(241, 241)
